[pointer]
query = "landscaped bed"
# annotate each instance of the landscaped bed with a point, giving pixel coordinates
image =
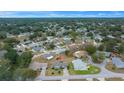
(77, 79)
(54, 72)
(114, 79)
(91, 70)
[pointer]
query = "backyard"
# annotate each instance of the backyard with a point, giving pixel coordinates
(42, 60)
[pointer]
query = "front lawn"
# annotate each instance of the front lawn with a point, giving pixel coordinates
(54, 72)
(91, 70)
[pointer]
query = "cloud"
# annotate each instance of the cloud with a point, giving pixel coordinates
(17, 14)
(2, 13)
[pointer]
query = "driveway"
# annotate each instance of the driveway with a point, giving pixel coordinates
(42, 74)
(65, 72)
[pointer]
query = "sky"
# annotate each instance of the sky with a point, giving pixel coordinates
(59, 14)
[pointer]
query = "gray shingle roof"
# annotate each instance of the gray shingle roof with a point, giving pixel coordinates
(79, 64)
(118, 62)
(58, 65)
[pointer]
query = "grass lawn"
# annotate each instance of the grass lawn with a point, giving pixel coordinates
(54, 72)
(91, 70)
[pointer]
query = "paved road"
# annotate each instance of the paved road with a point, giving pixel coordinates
(103, 74)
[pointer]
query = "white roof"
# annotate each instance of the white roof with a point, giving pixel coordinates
(79, 64)
(60, 50)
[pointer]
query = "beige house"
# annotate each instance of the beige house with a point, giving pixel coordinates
(80, 54)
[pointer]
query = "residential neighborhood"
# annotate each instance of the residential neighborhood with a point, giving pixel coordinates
(59, 49)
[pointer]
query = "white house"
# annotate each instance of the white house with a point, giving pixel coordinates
(48, 56)
(59, 50)
(79, 64)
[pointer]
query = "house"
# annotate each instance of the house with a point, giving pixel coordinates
(59, 50)
(27, 42)
(20, 47)
(10, 35)
(74, 47)
(48, 56)
(110, 36)
(79, 54)
(59, 65)
(66, 40)
(122, 37)
(79, 64)
(38, 49)
(98, 38)
(117, 62)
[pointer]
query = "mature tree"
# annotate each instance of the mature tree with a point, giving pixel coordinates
(24, 59)
(90, 49)
(109, 44)
(90, 34)
(11, 55)
(50, 45)
(24, 74)
(121, 48)
(98, 57)
(2, 35)
(11, 40)
(101, 47)
(7, 46)
(68, 53)
(34, 35)
(5, 73)
(73, 34)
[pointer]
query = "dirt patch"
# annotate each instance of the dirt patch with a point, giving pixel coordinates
(53, 72)
(50, 62)
(112, 68)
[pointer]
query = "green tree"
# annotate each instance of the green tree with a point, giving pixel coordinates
(8, 46)
(11, 55)
(11, 40)
(2, 35)
(5, 73)
(50, 45)
(74, 34)
(98, 57)
(94, 58)
(90, 34)
(121, 48)
(90, 49)
(24, 74)
(24, 59)
(101, 47)
(68, 53)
